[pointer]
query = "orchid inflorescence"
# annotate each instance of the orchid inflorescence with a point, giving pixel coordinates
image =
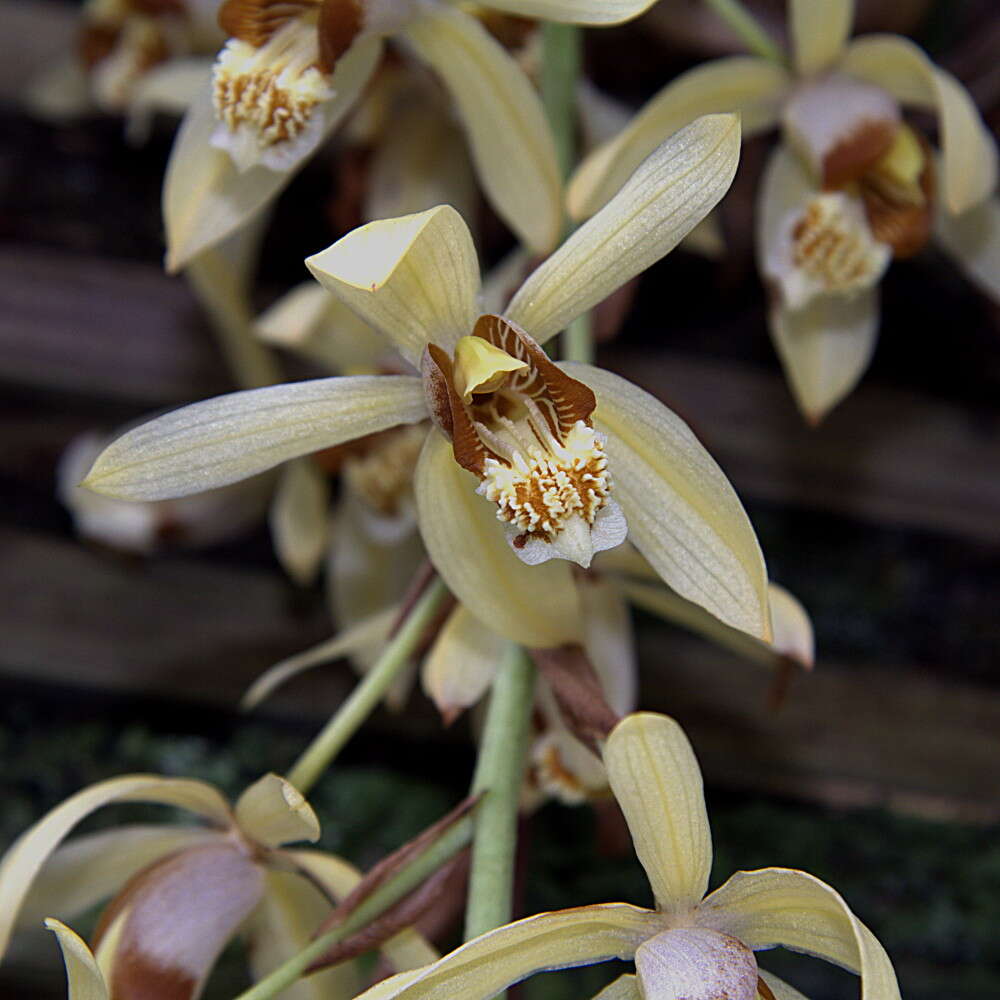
(498, 509)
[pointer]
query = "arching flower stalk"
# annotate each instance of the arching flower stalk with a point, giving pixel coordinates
(179, 894)
(851, 187)
(689, 945)
(290, 72)
(531, 465)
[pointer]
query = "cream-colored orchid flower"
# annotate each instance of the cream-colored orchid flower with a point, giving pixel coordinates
(124, 47)
(851, 186)
(290, 73)
(181, 893)
(687, 946)
(564, 454)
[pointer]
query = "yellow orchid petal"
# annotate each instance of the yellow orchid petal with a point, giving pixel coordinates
(826, 345)
(576, 11)
(223, 440)
(969, 154)
(656, 781)
(670, 193)
(462, 663)
(825, 348)
(609, 640)
(29, 852)
(414, 278)
(175, 918)
(481, 367)
(272, 811)
(780, 989)
(792, 626)
(300, 519)
(92, 868)
(509, 135)
(290, 912)
(205, 198)
(779, 906)
(311, 321)
(682, 512)
(84, 977)
(488, 964)
(367, 633)
(420, 161)
(819, 32)
(533, 605)
(625, 987)
(973, 240)
(746, 84)
(406, 950)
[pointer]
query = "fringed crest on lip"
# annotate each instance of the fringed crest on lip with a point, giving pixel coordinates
(255, 21)
(841, 127)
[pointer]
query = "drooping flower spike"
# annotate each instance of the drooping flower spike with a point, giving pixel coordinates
(851, 187)
(562, 456)
(179, 894)
(687, 946)
(291, 72)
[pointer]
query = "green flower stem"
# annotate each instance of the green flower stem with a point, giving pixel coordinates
(563, 55)
(748, 28)
(225, 303)
(499, 774)
(562, 47)
(386, 895)
(369, 691)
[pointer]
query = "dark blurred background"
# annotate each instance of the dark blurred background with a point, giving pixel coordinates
(879, 772)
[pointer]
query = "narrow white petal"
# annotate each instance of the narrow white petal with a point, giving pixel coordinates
(228, 438)
(509, 135)
(745, 84)
(667, 196)
(682, 512)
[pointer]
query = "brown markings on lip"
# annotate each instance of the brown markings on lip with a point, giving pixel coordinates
(449, 412)
(340, 22)
(857, 152)
(903, 223)
(255, 21)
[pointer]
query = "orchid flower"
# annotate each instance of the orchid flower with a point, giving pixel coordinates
(179, 894)
(290, 73)
(124, 47)
(686, 946)
(851, 186)
(530, 465)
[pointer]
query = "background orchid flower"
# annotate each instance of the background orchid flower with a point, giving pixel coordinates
(290, 73)
(687, 946)
(851, 186)
(181, 893)
(416, 279)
